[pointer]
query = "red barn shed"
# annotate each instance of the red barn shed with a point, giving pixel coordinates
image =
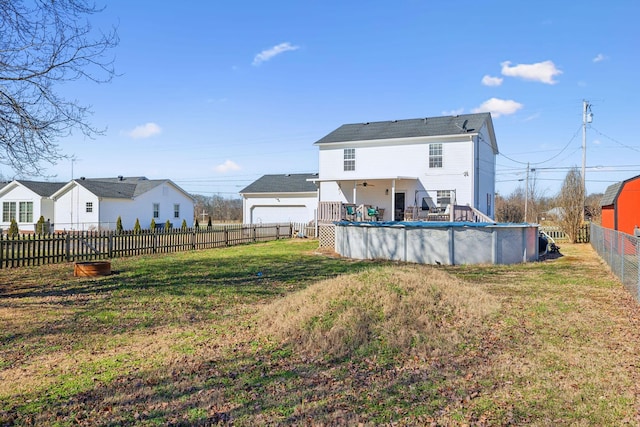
(621, 206)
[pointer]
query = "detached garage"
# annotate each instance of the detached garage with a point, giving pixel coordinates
(280, 199)
(620, 206)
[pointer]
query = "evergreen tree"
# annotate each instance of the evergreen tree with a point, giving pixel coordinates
(119, 228)
(13, 228)
(184, 224)
(40, 226)
(196, 226)
(167, 225)
(153, 224)
(209, 225)
(136, 228)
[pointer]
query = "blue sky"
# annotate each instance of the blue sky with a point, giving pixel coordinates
(215, 94)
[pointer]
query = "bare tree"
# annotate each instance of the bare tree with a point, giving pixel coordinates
(511, 208)
(571, 200)
(43, 44)
(593, 207)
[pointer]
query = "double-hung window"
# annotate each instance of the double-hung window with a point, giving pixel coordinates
(435, 155)
(8, 211)
(349, 159)
(89, 207)
(156, 210)
(176, 210)
(26, 212)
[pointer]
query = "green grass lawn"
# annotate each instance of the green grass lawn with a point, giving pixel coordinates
(279, 333)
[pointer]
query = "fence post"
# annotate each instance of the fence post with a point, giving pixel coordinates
(638, 272)
(2, 245)
(277, 231)
(193, 239)
(67, 247)
(253, 233)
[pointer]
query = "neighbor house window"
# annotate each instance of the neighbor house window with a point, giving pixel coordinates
(444, 197)
(26, 212)
(349, 159)
(89, 207)
(176, 211)
(156, 210)
(435, 155)
(8, 211)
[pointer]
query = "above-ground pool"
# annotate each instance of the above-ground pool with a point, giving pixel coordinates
(448, 243)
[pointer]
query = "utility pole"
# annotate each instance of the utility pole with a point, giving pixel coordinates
(526, 193)
(587, 117)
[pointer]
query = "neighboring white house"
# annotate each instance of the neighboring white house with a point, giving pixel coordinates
(280, 198)
(416, 165)
(26, 201)
(90, 204)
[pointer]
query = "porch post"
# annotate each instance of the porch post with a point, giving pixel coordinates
(355, 185)
(393, 200)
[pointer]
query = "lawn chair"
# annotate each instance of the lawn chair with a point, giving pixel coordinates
(351, 212)
(373, 213)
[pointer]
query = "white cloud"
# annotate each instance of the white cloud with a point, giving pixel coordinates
(227, 166)
(145, 131)
(491, 81)
(498, 107)
(453, 112)
(599, 57)
(267, 54)
(543, 72)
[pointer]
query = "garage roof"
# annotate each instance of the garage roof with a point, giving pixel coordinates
(283, 183)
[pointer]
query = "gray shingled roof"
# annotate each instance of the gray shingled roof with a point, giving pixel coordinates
(288, 183)
(430, 126)
(612, 191)
(41, 188)
(120, 188)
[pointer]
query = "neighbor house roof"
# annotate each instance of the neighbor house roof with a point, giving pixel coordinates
(121, 187)
(41, 188)
(423, 127)
(613, 190)
(287, 183)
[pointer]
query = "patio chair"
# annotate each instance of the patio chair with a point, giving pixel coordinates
(351, 212)
(373, 213)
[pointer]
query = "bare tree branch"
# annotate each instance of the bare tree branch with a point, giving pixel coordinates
(45, 43)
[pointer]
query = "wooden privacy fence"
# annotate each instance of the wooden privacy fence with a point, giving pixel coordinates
(31, 249)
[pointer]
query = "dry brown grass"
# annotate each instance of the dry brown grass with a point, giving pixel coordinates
(408, 310)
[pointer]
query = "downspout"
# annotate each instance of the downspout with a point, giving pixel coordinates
(393, 200)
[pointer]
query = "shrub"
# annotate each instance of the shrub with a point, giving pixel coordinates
(153, 224)
(136, 228)
(167, 225)
(40, 229)
(196, 226)
(184, 224)
(119, 228)
(209, 225)
(13, 228)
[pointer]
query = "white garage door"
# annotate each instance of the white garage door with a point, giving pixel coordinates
(279, 214)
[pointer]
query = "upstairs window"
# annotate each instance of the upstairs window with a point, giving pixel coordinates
(435, 155)
(156, 210)
(176, 210)
(349, 159)
(89, 207)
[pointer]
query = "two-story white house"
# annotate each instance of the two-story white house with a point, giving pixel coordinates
(409, 169)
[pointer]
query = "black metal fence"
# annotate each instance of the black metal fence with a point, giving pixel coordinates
(33, 249)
